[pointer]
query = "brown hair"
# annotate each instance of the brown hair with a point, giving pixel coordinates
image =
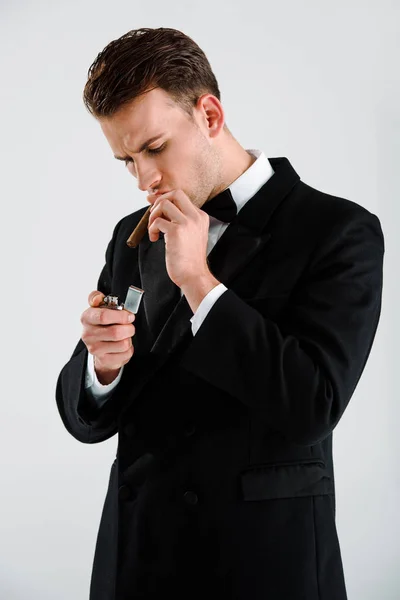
(145, 58)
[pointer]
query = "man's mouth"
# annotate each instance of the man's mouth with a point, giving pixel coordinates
(155, 195)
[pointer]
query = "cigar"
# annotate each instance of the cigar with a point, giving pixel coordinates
(139, 231)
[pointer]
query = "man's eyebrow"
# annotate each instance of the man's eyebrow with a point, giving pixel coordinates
(143, 147)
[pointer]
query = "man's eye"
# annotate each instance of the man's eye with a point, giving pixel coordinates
(149, 151)
(156, 150)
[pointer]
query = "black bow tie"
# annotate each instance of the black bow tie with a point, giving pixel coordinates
(222, 206)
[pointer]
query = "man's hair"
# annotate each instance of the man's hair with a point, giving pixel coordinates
(143, 59)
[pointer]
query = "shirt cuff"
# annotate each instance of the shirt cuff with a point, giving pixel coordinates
(94, 388)
(205, 306)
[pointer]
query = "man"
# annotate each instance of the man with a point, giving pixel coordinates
(252, 334)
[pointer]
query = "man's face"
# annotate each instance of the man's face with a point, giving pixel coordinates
(182, 156)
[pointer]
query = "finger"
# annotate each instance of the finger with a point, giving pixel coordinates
(160, 225)
(95, 298)
(152, 196)
(180, 199)
(103, 349)
(110, 333)
(166, 208)
(108, 316)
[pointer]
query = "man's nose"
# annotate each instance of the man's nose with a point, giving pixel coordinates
(147, 179)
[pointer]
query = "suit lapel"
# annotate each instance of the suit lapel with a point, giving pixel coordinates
(161, 294)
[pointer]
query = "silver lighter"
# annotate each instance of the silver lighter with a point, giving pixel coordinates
(132, 300)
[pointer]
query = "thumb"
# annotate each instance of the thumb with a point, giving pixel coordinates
(95, 298)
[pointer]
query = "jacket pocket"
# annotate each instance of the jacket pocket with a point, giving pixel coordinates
(268, 482)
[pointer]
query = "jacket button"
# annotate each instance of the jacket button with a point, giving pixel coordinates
(130, 429)
(190, 429)
(124, 492)
(190, 497)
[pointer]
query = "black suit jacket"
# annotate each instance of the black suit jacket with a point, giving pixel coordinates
(223, 484)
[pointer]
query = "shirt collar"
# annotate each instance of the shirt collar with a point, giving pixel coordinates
(249, 182)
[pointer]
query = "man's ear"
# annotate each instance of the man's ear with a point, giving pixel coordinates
(212, 114)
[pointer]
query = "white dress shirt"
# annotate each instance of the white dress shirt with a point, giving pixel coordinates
(242, 189)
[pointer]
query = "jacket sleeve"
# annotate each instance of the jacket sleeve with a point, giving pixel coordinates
(299, 373)
(81, 415)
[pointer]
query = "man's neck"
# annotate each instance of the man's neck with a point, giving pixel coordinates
(241, 161)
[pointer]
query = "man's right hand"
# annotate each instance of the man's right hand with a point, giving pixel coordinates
(107, 334)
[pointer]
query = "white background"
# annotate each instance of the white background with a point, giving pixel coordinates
(315, 81)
